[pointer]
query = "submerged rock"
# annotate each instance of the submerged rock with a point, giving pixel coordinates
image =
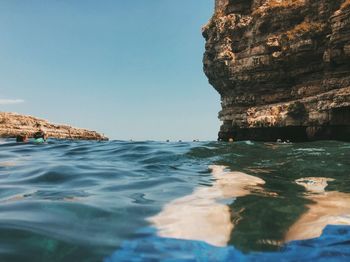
(282, 68)
(13, 125)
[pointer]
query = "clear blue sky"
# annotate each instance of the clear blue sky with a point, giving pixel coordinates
(129, 69)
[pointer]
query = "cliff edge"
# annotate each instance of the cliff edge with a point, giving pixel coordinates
(12, 124)
(282, 68)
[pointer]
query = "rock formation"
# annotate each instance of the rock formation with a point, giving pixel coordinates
(12, 124)
(282, 68)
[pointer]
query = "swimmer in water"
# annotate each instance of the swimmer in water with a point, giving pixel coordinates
(40, 137)
(22, 138)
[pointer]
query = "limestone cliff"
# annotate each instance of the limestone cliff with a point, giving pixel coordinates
(282, 68)
(12, 124)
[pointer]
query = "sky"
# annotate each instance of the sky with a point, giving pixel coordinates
(128, 69)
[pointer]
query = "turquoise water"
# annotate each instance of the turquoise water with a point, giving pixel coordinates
(121, 201)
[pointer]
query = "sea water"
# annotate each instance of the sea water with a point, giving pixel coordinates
(180, 201)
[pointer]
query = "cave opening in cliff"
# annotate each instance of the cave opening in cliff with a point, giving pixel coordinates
(340, 116)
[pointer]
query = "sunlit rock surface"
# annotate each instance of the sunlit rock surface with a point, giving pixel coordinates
(282, 68)
(12, 124)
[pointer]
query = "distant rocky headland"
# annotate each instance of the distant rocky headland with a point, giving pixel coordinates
(282, 68)
(12, 125)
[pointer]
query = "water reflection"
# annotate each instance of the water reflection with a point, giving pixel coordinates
(211, 214)
(201, 215)
(328, 208)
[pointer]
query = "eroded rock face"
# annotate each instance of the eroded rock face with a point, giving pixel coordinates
(12, 124)
(282, 68)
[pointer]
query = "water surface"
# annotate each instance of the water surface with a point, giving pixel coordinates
(151, 201)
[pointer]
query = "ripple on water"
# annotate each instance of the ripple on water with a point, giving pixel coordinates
(81, 201)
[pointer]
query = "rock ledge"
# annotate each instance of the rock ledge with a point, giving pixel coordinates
(12, 124)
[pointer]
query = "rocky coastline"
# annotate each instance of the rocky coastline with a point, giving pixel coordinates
(282, 68)
(12, 125)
